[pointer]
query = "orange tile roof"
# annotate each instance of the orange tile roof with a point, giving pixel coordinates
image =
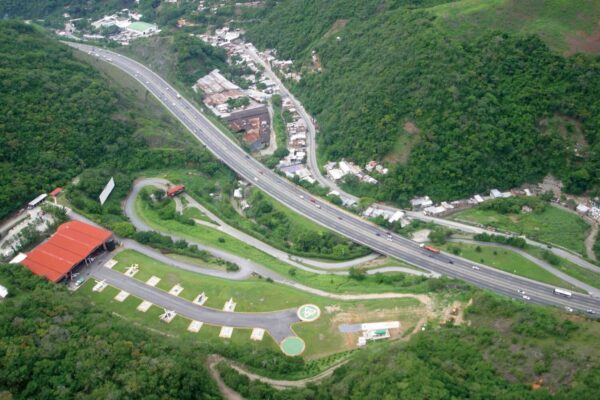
(70, 245)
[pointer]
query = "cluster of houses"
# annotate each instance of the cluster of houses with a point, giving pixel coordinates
(590, 208)
(250, 117)
(426, 205)
(389, 215)
(337, 170)
(122, 27)
(294, 163)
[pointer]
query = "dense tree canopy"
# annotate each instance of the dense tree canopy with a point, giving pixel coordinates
(453, 117)
(55, 344)
(54, 116)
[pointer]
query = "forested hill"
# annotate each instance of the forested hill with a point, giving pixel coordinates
(58, 345)
(55, 116)
(452, 112)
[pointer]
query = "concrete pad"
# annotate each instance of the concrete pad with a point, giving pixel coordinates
(144, 306)
(110, 263)
(257, 334)
(153, 281)
(226, 332)
(229, 305)
(421, 236)
(200, 299)
(195, 326)
(176, 290)
(131, 271)
(168, 316)
(99, 286)
(121, 296)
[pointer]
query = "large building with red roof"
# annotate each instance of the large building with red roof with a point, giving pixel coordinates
(72, 244)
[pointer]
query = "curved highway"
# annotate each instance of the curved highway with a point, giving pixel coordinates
(323, 212)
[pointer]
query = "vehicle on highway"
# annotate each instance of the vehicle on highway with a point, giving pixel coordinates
(255, 179)
(451, 262)
(569, 309)
(178, 96)
(475, 267)
(318, 205)
(521, 291)
(377, 234)
(430, 248)
(525, 297)
(563, 292)
(301, 196)
(590, 311)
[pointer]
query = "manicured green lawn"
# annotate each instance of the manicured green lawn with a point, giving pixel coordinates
(554, 225)
(508, 261)
(553, 20)
(205, 235)
(321, 336)
(178, 327)
(584, 275)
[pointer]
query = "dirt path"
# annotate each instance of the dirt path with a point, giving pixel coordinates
(226, 391)
(280, 384)
(590, 240)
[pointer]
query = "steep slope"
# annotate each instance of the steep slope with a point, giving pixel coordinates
(54, 116)
(453, 113)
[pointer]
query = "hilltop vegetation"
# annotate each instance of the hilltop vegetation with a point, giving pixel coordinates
(56, 346)
(510, 351)
(54, 116)
(452, 115)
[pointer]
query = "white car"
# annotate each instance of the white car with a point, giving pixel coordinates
(255, 179)
(475, 267)
(301, 196)
(569, 309)
(521, 291)
(525, 297)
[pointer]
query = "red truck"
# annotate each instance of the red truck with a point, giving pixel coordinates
(431, 249)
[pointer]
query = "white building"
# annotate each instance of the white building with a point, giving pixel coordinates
(421, 202)
(3, 292)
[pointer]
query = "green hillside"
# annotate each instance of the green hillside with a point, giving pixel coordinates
(452, 114)
(566, 26)
(53, 116)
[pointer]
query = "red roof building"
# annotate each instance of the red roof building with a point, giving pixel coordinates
(56, 192)
(72, 243)
(175, 190)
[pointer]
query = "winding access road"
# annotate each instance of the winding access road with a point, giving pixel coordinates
(324, 213)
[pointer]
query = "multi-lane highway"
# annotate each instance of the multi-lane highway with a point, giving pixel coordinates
(326, 214)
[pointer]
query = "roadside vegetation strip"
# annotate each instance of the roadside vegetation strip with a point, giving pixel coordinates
(552, 225)
(331, 283)
(505, 260)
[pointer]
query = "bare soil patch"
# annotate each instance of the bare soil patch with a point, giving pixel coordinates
(582, 42)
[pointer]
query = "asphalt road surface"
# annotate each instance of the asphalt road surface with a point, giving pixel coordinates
(277, 323)
(323, 212)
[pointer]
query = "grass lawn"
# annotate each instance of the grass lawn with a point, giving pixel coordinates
(321, 336)
(177, 328)
(553, 20)
(508, 261)
(194, 213)
(554, 225)
(584, 275)
(205, 235)
(199, 187)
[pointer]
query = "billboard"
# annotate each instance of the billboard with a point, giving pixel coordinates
(107, 191)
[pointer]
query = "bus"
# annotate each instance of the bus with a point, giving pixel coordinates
(563, 292)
